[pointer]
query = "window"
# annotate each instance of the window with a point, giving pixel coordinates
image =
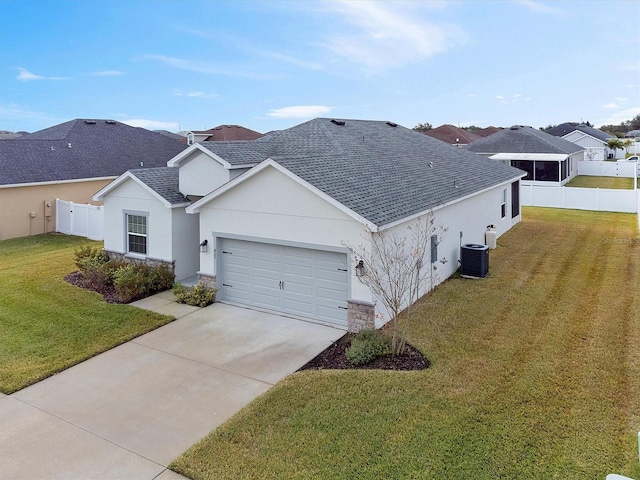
(503, 203)
(136, 234)
(434, 248)
(191, 138)
(515, 199)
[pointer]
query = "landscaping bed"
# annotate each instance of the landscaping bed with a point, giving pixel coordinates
(333, 357)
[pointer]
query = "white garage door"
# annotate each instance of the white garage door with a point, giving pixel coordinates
(301, 281)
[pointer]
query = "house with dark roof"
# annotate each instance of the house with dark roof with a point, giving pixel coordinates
(593, 141)
(221, 133)
(548, 160)
(276, 215)
(70, 161)
(453, 135)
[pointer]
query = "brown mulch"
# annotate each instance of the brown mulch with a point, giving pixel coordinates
(333, 357)
(108, 292)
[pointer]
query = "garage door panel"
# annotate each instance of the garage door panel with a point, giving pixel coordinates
(237, 278)
(336, 315)
(298, 305)
(271, 266)
(301, 281)
(331, 294)
(298, 270)
(298, 288)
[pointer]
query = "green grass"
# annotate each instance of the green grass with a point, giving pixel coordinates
(535, 374)
(588, 181)
(46, 324)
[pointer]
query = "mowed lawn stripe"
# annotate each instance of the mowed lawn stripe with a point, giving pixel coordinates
(46, 324)
(534, 375)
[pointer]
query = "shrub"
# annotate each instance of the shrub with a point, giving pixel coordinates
(95, 273)
(133, 281)
(198, 296)
(366, 346)
(89, 255)
(161, 278)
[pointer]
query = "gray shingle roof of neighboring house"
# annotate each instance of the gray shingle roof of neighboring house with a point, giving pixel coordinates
(521, 139)
(163, 181)
(83, 149)
(382, 171)
(566, 128)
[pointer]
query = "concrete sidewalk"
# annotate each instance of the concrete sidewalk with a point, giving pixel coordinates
(129, 412)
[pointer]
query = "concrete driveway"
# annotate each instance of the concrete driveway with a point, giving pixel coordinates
(127, 413)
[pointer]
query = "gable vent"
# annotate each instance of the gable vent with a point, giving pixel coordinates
(391, 124)
(337, 122)
(90, 122)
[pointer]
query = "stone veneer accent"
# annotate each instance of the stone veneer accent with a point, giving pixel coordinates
(360, 315)
(207, 280)
(152, 262)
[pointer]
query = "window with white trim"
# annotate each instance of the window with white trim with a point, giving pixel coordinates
(136, 234)
(503, 203)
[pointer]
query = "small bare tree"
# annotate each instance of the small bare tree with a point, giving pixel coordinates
(397, 267)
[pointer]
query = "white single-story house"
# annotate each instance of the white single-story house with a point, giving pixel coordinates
(593, 141)
(276, 215)
(548, 160)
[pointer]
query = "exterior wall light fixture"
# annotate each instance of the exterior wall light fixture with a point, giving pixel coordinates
(360, 269)
(203, 246)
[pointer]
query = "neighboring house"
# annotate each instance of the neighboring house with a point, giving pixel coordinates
(485, 132)
(453, 135)
(70, 161)
(221, 133)
(276, 214)
(6, 135)
(593, 141)
(546, 159)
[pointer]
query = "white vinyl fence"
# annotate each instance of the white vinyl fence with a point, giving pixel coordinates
(600, 199)
(83, 220)
(608, 169)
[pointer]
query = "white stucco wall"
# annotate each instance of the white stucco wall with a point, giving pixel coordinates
(130, 196)
(469, 217)
(200, 174)
(185, 243)
(272, 207)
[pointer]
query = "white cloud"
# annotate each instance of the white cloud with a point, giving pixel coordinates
(180, 93)
(611, 105)
(539, 7)
(25, 76)
(21, 113)
(299, 111)
(152, 124)
(209, 68)
(389, 35)
(621, 116)
(107, 73)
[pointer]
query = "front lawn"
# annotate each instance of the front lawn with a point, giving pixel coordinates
(588, 181)
(534, 375)
(46, 324)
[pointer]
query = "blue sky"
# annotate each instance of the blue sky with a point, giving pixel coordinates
(267, 65)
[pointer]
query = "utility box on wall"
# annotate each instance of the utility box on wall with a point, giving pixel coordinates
(475, 260)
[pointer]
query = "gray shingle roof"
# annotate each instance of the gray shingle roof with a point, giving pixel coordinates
(162, 180)
(81, 149)
(382, 172)
(520, 139)
(565, 128)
